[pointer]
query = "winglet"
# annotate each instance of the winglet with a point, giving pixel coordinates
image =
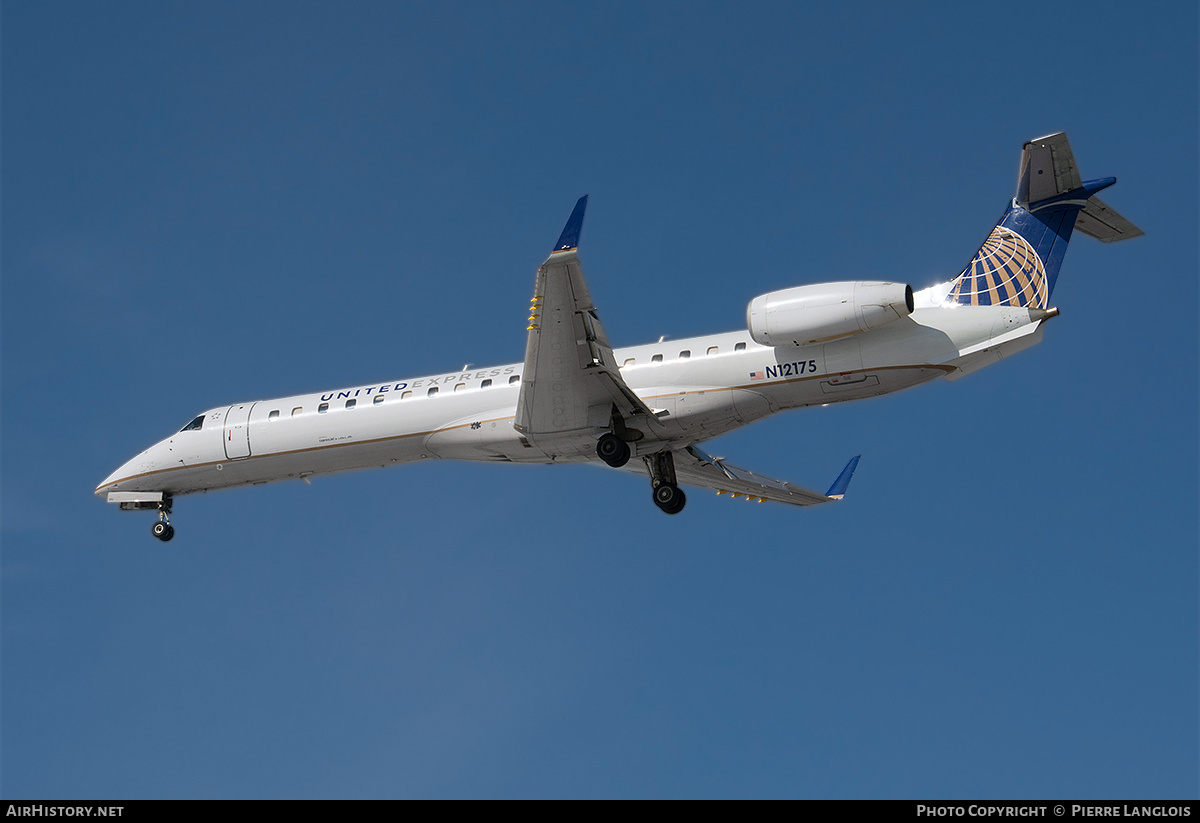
(838, 490)
(569, 239)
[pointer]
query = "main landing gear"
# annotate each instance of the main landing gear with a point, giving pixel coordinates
(667, 494)
(163, 529)
(612, 450)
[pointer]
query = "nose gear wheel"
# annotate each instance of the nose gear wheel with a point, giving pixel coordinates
(163, 529)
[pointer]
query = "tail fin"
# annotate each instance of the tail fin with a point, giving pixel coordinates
(1018, 263)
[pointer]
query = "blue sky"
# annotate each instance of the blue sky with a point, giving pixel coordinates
(219, 202)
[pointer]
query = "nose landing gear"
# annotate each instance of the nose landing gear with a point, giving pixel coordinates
(163, 529)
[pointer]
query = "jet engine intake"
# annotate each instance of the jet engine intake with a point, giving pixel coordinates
(825, 311)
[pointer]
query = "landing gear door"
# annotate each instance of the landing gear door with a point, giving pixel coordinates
(237, 431)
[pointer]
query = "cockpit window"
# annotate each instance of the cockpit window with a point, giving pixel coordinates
(194, 425)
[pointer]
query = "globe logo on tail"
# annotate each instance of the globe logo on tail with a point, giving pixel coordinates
(1005, 272)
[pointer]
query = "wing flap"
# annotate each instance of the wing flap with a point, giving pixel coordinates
(695, 468)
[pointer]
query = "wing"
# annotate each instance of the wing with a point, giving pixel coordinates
(570, 382)
(696, 468)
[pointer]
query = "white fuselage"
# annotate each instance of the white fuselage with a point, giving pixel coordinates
(698, 388)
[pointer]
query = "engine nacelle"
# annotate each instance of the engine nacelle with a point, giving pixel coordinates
(825, 311)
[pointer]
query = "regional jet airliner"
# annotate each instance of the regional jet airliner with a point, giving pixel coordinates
(646, 409)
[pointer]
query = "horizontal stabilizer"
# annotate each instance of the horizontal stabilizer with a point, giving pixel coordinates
(1098, 220)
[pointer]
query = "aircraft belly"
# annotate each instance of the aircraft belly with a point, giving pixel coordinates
(700, 414)
(751, 406)
(690, 410)
(979, 358)
(485, 439)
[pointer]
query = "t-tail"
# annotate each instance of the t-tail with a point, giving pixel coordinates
(1019, 261)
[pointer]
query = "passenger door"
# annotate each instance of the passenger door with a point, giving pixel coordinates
(237, 431)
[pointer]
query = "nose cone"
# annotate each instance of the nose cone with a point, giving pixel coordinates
(113, 481)
(102, 489)
(138, 474)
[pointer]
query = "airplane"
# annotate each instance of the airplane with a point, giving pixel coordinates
(576, 399)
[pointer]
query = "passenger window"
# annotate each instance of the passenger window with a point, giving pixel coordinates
(431, 392)
(656, 358)
(485, 383)
(378, 399)
(740, 347)
(273, 415)
(459, 386)
(631, 361)
(514, 379)
(296, 412)
(321, 409)
(194, 425)
(685, 354)
(406, 395)
(712, 349)
(351, 404)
